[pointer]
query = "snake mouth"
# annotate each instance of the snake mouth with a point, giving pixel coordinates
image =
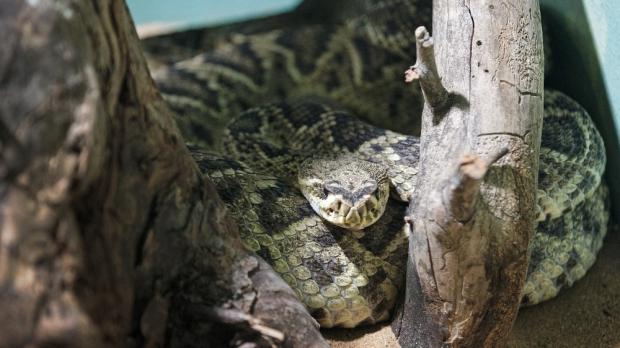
(352, 215)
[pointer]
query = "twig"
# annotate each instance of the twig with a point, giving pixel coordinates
(463, 193)
(425, 70)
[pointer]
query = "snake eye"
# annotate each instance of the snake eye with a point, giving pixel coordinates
(370, 185)
(331, 186)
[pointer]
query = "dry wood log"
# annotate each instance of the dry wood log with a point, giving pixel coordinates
(472, 216)
(109, 235)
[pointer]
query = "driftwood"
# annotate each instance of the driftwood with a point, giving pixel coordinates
(472, 215)
(109, 235)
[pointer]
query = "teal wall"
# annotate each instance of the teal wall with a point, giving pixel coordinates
(183, 13)
(604, 19)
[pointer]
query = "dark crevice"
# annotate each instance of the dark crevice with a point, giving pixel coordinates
(152, 214)
(521, 92)
(471, 48)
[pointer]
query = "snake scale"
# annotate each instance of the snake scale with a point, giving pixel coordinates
(258, 107)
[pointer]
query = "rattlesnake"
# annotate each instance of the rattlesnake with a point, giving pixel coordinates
(319, 77)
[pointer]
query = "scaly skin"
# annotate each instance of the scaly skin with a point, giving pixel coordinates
(300, 80)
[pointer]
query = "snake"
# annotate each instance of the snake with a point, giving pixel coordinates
(297, 129)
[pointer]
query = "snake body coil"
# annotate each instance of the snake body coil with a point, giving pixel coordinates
(349, 277)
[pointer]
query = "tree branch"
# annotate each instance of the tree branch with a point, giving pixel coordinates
(425, 70)
(463, 191)
(467, 260)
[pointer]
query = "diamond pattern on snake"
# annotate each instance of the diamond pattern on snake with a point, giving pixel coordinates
(292, 127)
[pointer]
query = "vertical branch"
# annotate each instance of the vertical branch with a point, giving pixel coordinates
(472, 216)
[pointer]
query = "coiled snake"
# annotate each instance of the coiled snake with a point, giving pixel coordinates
(326, 225)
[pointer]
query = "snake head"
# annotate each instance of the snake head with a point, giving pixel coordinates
(346, 191)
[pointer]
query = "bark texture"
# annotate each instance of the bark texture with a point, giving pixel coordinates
(109, 235)
(472, 216)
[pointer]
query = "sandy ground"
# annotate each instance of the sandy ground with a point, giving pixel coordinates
(586, 315)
